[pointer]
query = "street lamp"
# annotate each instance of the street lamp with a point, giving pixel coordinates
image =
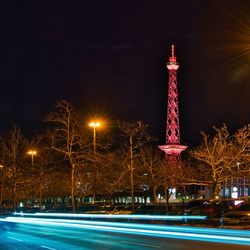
(94, 125)
(32, 153)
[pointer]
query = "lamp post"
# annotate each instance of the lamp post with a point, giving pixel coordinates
(32, 153)
(238, 170)
(1, 195)
(94, 125)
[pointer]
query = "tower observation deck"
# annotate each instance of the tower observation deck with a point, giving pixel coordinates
(172, 148)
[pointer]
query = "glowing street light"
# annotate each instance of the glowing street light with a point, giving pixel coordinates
(32, 153)
(94, 125)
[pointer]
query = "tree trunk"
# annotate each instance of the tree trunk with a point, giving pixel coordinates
(215, 190)
(166, 193)
(94, 185)
(40, 191)
(155, 195)
(132, 174)
(14, 195)
(73, 187)
(1, 195)
(66, 201)
(132, 190)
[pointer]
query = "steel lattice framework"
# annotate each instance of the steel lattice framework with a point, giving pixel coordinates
(173, 148)
(172, 131)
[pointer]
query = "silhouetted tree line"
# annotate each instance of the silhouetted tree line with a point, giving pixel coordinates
(129, 161)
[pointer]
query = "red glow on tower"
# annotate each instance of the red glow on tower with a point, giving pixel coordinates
(173, 148)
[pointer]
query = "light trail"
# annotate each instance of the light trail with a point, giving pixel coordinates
(209, 235)
(139, 244)
(117, 216)
(145, 226)
(12, 238)
(48, 247)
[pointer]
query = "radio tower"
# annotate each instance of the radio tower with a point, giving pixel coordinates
(173, 148)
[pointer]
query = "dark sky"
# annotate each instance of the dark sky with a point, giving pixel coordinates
(108, 57)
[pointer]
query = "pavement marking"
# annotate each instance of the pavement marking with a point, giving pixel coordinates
(48, 247)
(12, 238)
(139, 244)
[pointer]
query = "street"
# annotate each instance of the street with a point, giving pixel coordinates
(33, 233)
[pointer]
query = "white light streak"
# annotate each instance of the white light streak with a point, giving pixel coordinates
(48, 247)
(117, 216)
(12, 238)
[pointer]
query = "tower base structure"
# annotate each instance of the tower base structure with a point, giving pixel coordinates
(173, 165)
(173, 156)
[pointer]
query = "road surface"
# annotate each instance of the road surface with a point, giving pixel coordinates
(55, 234)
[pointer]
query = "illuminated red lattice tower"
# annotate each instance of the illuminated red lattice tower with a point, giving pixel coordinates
(173, 148)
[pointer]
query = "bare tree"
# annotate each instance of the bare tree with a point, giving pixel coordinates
(136, 135)
(114, 174)
(59, 185)
(95, 162)
(152, 163)
(65, 138)
(238, 162)
(14, 147)
(42, 165)
(221, 154)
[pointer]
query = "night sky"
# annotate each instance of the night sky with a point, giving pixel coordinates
(108, 58)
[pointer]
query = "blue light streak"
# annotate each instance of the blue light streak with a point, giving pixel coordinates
(151, 226)
(118, 216)
(187, 233)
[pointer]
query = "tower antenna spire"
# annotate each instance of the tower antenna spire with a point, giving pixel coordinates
(172, 58)
(172, 50)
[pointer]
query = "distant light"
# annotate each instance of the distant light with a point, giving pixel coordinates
(237, 202)
(95, 124)
(32, 152)
(235, 193)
